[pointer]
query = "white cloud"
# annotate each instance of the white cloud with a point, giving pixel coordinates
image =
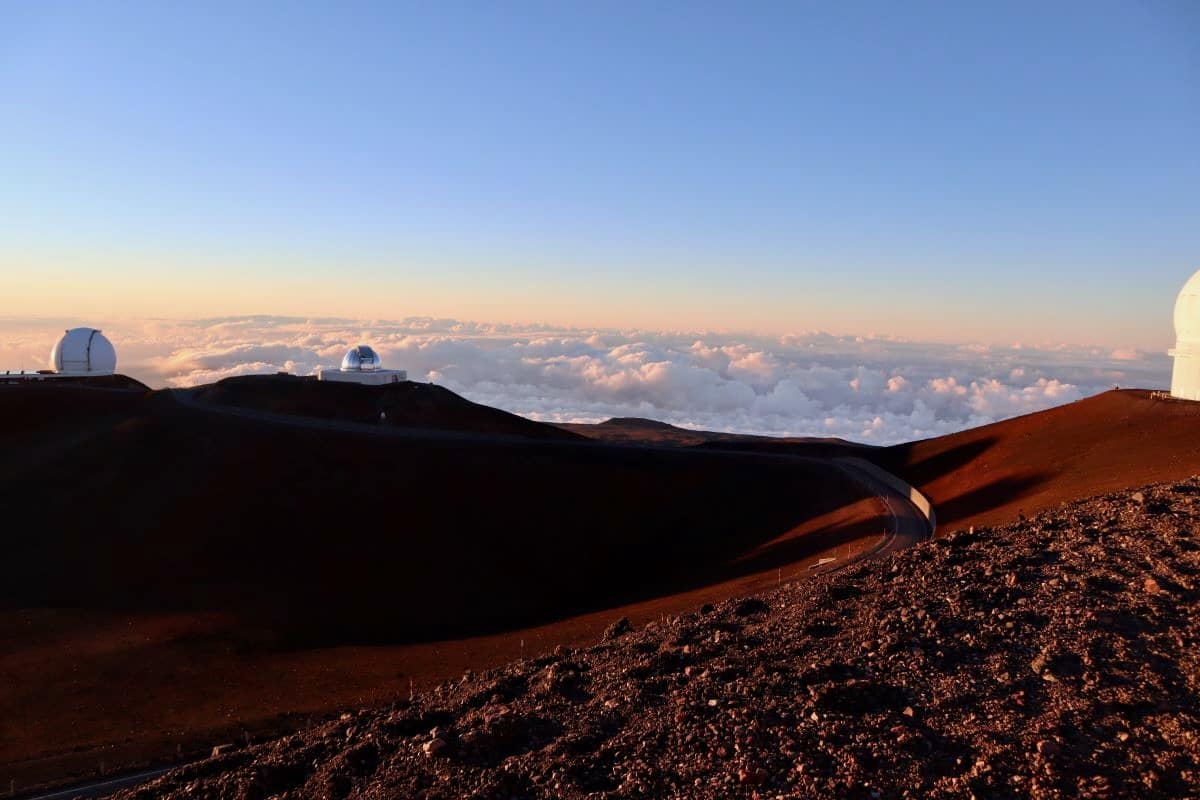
(872, 389)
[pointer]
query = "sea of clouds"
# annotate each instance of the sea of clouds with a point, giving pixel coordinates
(868, 389)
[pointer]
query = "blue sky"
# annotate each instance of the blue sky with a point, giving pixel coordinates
(1010, 172)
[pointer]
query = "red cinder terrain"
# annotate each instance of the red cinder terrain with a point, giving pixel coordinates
(184, 568)
(1053, 658)
(990, 475)
(194, 567)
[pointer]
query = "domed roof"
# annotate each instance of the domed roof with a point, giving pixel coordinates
(83, 351)
(361, 359)
(1187, 311)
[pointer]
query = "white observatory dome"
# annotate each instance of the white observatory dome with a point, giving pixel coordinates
(361, 359)
(83, 351)
(1187, 311)
(1185, 378)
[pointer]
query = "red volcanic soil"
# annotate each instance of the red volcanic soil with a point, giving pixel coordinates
(1052, 659)
(991, 475)
(407, 404)
(177, 576)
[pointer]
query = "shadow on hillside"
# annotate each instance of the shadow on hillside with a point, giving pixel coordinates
(997, 494)
(958, 464)
(332, 539)
(824, 539)
(901, 460)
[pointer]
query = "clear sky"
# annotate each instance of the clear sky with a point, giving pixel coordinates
(988, 171)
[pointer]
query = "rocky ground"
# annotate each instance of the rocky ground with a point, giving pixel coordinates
(1056, 657)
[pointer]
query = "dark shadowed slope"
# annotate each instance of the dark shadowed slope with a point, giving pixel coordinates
(185, 575)
(166, 508)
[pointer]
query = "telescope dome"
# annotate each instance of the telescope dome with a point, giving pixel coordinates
(1187, 311)
(83, 351)
(1185, 374)
(361, 359)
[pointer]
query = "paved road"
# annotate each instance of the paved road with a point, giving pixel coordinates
(105, 787)
(908, 527)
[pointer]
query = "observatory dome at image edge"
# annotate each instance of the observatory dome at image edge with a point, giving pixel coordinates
(1185, 378)
(83, 351)
(361, 357)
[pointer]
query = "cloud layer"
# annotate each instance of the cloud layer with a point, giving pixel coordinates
(876, 390)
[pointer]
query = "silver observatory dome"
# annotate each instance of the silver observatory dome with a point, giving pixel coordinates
(361, 359)
(83, 351)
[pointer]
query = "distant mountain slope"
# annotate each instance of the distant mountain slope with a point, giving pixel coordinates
(992, 474)
(648, 431)
(407, 404)
(989, 475)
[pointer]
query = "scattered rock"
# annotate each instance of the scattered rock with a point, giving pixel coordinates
(1048, 747)
(750, 606)
(752, 776)
(433, 747)
(617, 629)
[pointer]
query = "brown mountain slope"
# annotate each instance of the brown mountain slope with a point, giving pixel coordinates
(168, 508)
(638, 430)
(185, 575)
(991, 474)
(407, 404)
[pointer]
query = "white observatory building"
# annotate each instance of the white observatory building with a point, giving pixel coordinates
(1185, 378)
(83, 352)
(362, 365)
(80, 353)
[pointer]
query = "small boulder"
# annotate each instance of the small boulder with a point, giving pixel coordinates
(750, 606)
(752, 776)
(1048, 747)
(618, 629)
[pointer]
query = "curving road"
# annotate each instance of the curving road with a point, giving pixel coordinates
(909, 523)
